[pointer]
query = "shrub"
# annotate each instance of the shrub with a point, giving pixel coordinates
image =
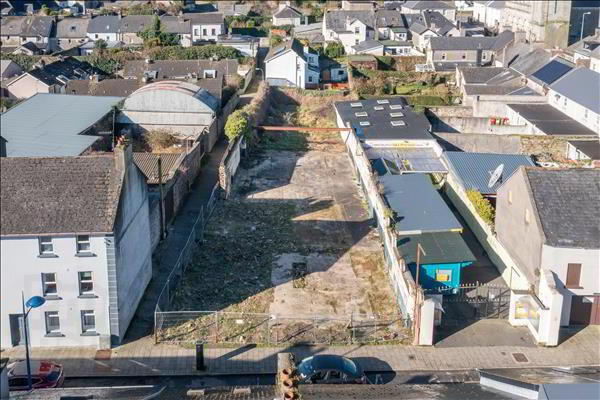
(193, 52)
(25, 61)
(238, 124)
(250, 23)
(159, 139)
(483, 206)
(334, 50)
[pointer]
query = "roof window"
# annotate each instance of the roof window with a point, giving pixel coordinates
(397, 123)
(383, 101)
(396, 114)
(365, 123)
(378, 108)
(361, 114)
(396, 107)
(355, 105)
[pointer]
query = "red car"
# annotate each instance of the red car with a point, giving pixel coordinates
(44, 375)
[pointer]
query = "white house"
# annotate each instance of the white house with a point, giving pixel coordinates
(348, 27)
(557, 211)
(445, 8)
(206, 26)
(287, 15)
(105, 27)
(290, 64)
(574, 95)
(75, 230)
(488, 12)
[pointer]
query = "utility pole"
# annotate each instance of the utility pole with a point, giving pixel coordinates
(417, 315)
(162, 204)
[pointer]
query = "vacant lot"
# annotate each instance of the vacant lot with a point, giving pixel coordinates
(293, 241)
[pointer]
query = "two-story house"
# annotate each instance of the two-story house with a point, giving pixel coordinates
(206, 26)
(445, 8)
(70, 32)
(74, 230)
(287, 15)
(431, 24)
(16, 31)
(105, 27)
(447, 53)
(547, 219)
(291, 64)
(178, 25)
(131, 25)
(348, 27)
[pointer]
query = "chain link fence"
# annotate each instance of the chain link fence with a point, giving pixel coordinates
(221, 327)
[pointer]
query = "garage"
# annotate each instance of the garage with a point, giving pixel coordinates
(585, 310)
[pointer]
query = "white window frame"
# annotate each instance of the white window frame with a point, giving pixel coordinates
(364, 123)
(361, 114)
(210, 73)
(396, 107)
(378, 108)
(83, 280)
(49, 283)
(396, 114)
(384, 101)
(45, 241)
(81, 242)
(355, 105)
(398, 123)
(87, 328)
(48, 315)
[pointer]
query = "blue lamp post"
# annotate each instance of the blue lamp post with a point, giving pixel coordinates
(34, 302)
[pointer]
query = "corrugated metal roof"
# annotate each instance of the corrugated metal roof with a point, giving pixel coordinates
(418, 206)
(475, 169)
(148, 164)
(440, 248)
(581, 86)
(49, 125)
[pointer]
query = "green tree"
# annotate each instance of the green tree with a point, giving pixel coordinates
(155, 36)
(334, 50)
(238, 124)
(275, 40)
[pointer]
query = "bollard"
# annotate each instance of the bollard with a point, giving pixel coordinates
(200, 355)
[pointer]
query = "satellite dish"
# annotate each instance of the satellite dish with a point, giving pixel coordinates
(496, 175)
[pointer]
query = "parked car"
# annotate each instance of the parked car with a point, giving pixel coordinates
(44, 375)
(330, 369)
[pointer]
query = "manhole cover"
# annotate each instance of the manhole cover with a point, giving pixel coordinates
(520, 357)
(102, 355)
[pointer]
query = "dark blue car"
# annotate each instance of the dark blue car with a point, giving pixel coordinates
(330, 369)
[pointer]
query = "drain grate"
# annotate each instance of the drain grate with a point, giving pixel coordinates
(520, 357)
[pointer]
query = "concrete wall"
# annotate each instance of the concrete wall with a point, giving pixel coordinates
(557, 259)
(495, 106)
(550, 319)
(21, 271)
(133, 247)
(474, 125)
(510, 271)
(480, 143)
(513, 202)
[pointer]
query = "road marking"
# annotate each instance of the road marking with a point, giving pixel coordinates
(106, 366)
(141, 364)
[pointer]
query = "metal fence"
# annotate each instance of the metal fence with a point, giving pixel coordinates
(196, 235)
(244, 328)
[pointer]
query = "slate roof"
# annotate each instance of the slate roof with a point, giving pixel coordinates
(418, 206)
(531, 62)
(148, 164)
(37, 26)
(366, 46)
(475, 169)
(427, 5)
(293, 45)
(502, 40)
(581, 85)
(58, 195)
(416, 126)
(479, 75)
(590, 148)
(4, 64)
(309, 28)
(11, 26)
(566, 201)
(72, 28)
(389, 18)
(440, 248)
(135, 23)
(487, 89)
(48, 125)
(208, 18)
(104, 24)
(336, 19)
(462, 43)
(550, 120)
(552, 71)
(288, 12)
(169, 69)
(173, 24)
(437, 22)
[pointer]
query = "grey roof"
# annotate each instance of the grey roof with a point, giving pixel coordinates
(104, 24)
(440, 248)
(148, 164)
(169, 69)
(524, 91)
(427, 5)
(135, 23)
(172, 24)
(293, 45)
(479, 75)
(37, 26)
(189, 89)
(390, 18)
(462, 43)
(392, 43)
(551, 121)
(288, 12)
(72, 28)
(417, 205)
(416, 126)
(514, 51)
(552, 71)
(58, 195)
(11, 26)
(336, 19)
(210, 18)
(47, 125)
(582, 85)
(504, 39)
(590, 148)
(507, 76)
(437, 22)
(475, 169)
(531, 62)
(309, 28)
(366, 46)
(4, 64)
(585, 46)
(418, 28)
(566, 201)
(487, 89)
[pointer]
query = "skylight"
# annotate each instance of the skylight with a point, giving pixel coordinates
(361, 114)
(397, 123)
(384, 101)
(354, 105)
(365, 123)
(396, 114)
(378, 108)
(396, 107)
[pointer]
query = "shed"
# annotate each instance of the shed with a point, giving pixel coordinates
(446, 253)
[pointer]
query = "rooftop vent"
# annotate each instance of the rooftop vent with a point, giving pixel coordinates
(354, 105)
(365, 123)
(378, 108)
(396, 107)
(361, 114)
(383, 101)
(396, 114)
(397, 123)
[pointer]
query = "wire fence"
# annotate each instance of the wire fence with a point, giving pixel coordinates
(221, 327)
(196, 235)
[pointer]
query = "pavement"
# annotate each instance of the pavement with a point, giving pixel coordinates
(143, 358)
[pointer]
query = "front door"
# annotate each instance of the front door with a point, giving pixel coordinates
(581, 310)
(17, 329)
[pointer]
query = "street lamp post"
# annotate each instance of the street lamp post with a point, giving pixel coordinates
(34, 302)
(582, 23)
